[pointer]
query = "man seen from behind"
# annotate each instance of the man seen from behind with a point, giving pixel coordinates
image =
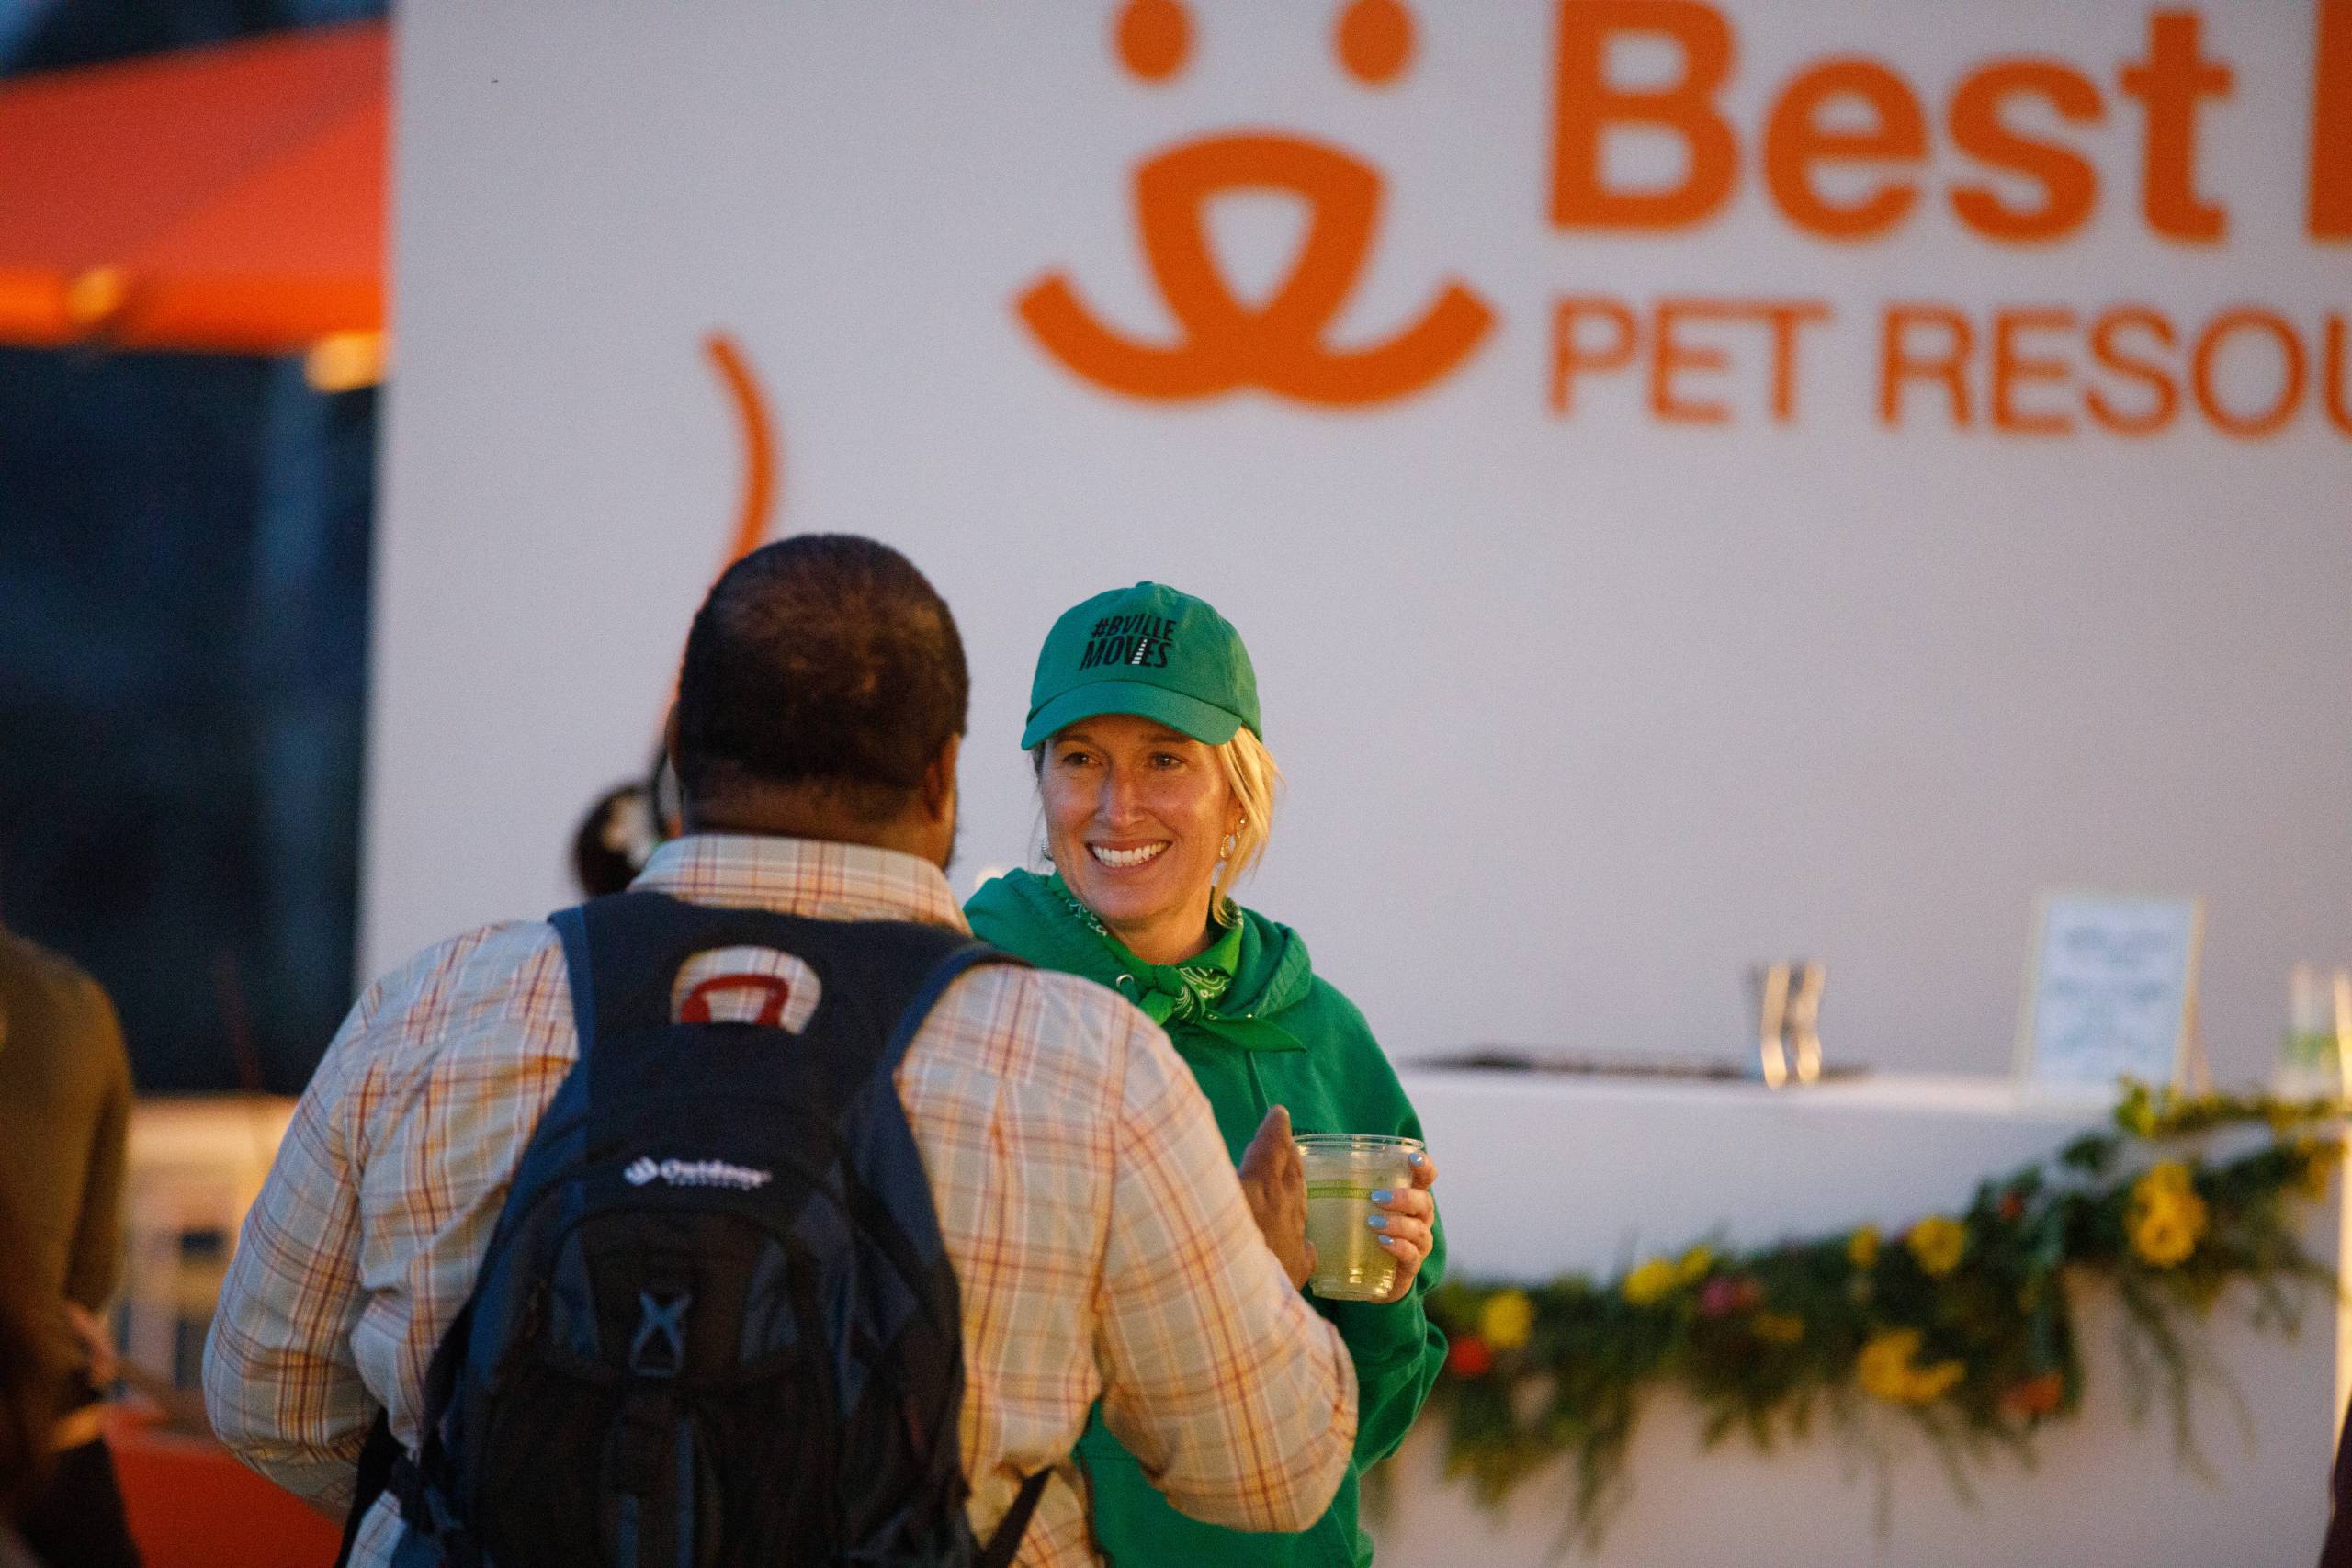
(1099, 1241)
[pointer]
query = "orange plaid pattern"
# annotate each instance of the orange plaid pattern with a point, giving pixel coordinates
(1101, 1240)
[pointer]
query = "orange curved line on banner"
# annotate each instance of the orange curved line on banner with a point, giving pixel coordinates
(758, 462)
(759, 445)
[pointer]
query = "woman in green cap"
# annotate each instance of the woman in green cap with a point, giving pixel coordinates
(1143, 731)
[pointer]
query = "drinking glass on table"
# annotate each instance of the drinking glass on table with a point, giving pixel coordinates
(2318, 1033)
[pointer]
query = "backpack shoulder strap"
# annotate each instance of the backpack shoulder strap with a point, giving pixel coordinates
(1005, 1544)
(962, 955)
(579, 969)
(376, 1460)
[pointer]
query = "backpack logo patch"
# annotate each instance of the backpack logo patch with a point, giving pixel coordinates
(696, 1173)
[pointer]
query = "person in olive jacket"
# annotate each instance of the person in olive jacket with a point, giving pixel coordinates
(1145, 732)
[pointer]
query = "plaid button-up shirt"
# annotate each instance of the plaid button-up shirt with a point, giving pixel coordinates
(1100, 1238)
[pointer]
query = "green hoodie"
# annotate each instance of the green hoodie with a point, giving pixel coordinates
(1277, 1035)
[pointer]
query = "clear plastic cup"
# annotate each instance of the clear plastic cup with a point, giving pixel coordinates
(1343, 1170)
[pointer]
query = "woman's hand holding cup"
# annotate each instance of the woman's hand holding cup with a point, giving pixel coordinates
(1405, 1222)
(1274, 1182)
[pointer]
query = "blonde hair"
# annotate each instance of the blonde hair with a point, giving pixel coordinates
(1250, 773)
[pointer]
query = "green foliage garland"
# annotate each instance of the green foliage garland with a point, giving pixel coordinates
(1964, 1323)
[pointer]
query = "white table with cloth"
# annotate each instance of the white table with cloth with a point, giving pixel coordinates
(1543, 1174)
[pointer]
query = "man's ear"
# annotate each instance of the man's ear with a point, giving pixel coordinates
(939, 781)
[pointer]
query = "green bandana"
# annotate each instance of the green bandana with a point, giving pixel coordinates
(1186, 993)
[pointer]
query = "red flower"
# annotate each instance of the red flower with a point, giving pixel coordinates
(2012, 1206)
(2035, 1396)
(1469, 1358)
(1726, 1294)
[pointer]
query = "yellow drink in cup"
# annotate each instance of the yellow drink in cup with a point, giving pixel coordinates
(1343, 1170)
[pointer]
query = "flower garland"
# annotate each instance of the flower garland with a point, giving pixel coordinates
(1961, 1322)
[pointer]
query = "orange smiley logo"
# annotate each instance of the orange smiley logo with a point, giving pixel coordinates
(1280, 345)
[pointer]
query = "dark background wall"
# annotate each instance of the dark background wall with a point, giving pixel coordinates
(184, 555)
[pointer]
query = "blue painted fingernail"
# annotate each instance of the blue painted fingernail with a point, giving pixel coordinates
(1384, 1196)
(1378, 1221)
(1419, 1159)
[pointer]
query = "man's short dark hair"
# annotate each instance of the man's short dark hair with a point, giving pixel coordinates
(823, 662)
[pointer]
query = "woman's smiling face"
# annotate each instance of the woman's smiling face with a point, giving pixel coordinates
(1135, 817)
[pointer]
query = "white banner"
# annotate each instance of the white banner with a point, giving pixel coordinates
(1701, 482)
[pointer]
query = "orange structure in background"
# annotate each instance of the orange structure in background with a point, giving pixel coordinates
(191, 1505)
(227, 201)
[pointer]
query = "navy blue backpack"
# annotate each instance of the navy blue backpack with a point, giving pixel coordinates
(716, 1327)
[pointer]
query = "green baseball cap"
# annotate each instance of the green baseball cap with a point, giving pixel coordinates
(1147, 651)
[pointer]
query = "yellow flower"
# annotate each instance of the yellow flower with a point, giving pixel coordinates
(1649, 1282)
(1881, 1366)
(1693, 1265)
(1883, 1369)
(1932, 1383)
(1861, 1247)
(2167, 1217)
(1888, 1369)
(1507, 1319)
(1779, 1327)
(2162, 1239)
(1937, 1243)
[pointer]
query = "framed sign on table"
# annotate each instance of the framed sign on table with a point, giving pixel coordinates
(2110, 990)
